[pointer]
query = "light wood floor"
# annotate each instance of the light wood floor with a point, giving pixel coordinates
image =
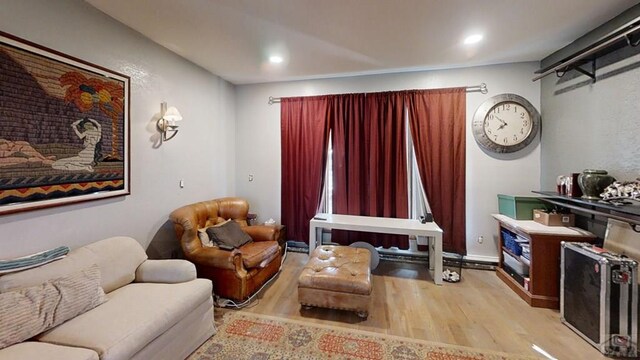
(480, 311)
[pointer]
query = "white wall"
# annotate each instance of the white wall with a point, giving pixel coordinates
(593, 125)
(258, 140)
(202, 153)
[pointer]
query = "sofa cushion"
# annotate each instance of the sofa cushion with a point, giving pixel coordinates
(117, 257)
(134, 315)
(228, 233)
(30, 350)
(254, 253)
(27, 312)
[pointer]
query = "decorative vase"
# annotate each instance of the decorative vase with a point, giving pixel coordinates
(593, 182)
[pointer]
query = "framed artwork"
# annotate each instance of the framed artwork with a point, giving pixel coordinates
(64, 128)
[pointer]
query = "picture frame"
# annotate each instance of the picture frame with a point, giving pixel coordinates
(64, 128)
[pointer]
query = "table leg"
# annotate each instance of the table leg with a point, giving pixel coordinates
(313, 233)
(437, 276)
(432, 250)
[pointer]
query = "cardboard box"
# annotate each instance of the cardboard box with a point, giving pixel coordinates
(542, 217)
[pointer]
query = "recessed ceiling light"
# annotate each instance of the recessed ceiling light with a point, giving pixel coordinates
(473, 39)
(275, 59)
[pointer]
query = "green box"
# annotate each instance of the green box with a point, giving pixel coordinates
(519, 207)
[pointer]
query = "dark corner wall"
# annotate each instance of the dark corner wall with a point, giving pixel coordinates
(593, 125)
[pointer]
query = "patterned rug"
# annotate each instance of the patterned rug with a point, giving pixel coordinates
(260, 337)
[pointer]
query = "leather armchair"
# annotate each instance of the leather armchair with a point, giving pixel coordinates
(235, 274)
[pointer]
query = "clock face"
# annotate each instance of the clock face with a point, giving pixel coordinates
(505, 123)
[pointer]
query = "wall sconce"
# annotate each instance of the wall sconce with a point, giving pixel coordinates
(167, 122)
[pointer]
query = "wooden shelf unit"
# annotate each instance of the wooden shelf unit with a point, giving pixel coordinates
(544, 269)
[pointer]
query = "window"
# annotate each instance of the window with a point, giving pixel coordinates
(326, 203)
(418, 204)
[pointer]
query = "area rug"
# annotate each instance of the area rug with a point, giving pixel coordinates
(259, 337)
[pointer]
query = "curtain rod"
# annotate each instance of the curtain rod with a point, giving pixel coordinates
(482, 88)
(592, 52)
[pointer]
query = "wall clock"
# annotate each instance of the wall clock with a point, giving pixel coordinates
(505, 123)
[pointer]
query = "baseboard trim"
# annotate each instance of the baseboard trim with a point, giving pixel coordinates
(394, 254)
(482, 258)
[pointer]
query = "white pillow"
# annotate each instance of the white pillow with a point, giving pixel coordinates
(204, 238)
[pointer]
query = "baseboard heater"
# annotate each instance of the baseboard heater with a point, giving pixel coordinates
(410, 256)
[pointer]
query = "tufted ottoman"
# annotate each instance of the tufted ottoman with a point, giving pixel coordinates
(337, 277)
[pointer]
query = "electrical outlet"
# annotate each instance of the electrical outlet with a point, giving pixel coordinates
(480, 239)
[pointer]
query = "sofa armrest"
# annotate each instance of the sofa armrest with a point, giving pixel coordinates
(165, 271)
(262, 232)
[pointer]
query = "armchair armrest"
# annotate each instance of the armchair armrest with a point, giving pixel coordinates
(262, 232)
(218, 258)
(165, 271)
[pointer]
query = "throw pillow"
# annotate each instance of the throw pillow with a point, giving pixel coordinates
(228, 233)
(24, 313)
(31, 261)
(204, 238)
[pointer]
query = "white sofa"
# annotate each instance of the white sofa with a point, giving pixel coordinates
(156, 309)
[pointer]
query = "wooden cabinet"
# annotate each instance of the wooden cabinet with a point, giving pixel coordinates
(541, 288)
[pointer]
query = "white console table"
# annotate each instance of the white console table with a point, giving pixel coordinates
(429, 231)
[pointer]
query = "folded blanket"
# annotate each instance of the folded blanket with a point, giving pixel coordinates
(34, 260)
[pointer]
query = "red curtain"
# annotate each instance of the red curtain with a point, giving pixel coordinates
(437, 119)
(349, 156)
(304, 128)
(369, 155)
(370, 174)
